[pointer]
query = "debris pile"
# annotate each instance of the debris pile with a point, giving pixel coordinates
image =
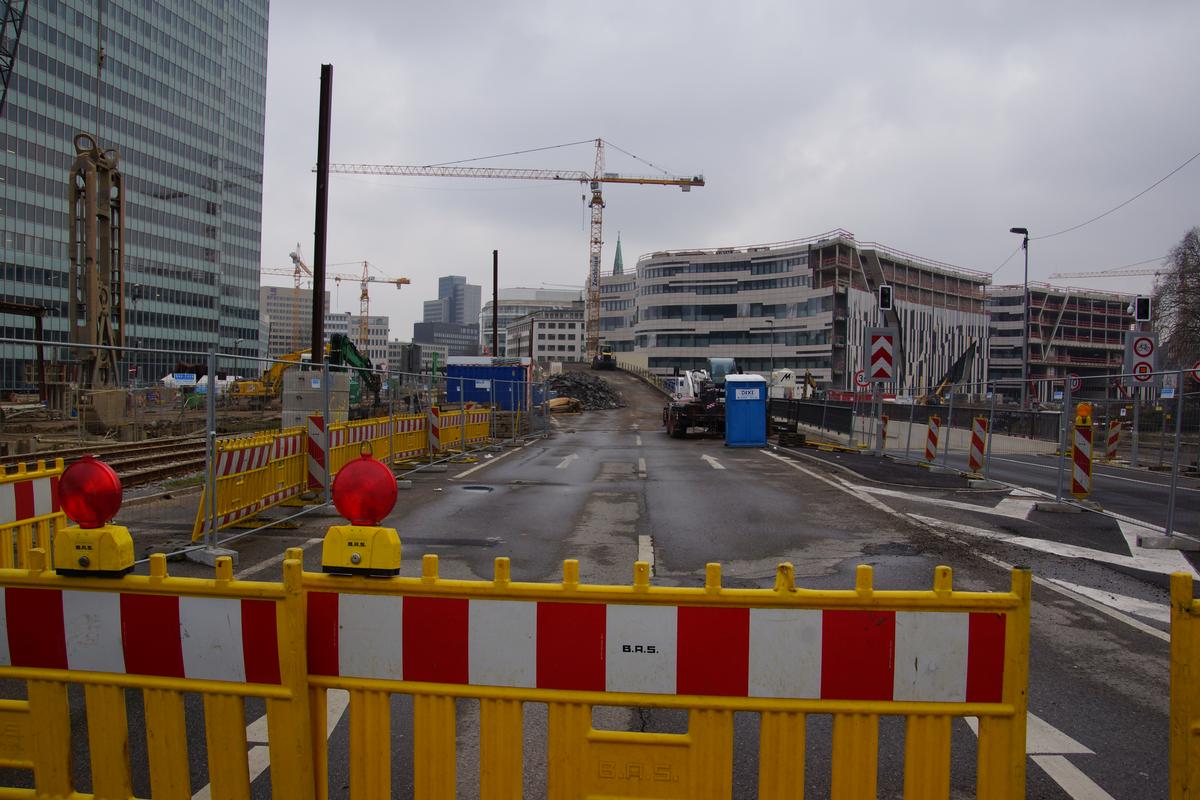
(592, 392)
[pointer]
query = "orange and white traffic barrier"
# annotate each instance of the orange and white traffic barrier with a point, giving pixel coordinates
(1114, 439)
(1081, 462)
(931, 438)
(318, 453)
(435, 429)
(979, 433)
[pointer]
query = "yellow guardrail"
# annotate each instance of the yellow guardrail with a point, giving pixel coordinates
(409, 437)
(785, 653)
(460, 428)
(223, 639)
(254, 473)
(30, 514)
(1185, 690)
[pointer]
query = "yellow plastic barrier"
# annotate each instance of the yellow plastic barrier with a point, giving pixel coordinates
(223, 639)
(460, 428)
(254, 473)
(1185, 690)
(409, 437)
(784, 653)
(30, 515)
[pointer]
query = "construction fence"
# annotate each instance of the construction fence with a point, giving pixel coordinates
(786, 655)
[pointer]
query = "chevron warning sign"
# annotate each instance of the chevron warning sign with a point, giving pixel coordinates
(881, 354)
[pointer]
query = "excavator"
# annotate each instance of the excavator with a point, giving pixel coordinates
(953, 376)
(341, 354)
(270, 385)
(344, 354)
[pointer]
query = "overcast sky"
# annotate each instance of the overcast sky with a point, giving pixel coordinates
(931, 127)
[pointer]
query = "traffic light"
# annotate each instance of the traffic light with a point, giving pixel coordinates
(885, 297)
(1141, 309)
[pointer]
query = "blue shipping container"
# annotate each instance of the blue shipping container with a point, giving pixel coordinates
(504, 384)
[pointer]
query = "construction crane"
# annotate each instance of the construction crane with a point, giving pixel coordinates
(300, 269)
(595, 179)
(1116, 273)
(12, 21)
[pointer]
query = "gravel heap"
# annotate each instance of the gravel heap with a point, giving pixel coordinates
(593, 392)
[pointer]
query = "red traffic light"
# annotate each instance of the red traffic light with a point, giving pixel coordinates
(364, 491)
(90, 492)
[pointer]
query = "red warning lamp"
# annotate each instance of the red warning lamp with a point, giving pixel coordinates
(90, 492)
(364, 491)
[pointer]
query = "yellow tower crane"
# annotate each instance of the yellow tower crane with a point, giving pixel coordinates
(595, 179)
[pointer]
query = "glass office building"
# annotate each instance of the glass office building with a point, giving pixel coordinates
(183, 99)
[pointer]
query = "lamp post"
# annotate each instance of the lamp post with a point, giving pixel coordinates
(771, 322)
(1024, 232)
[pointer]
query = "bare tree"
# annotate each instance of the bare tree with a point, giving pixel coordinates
(1177, 302)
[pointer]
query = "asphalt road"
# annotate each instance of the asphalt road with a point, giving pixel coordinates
(610, 487)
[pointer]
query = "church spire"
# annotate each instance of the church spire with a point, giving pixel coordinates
(618, 264)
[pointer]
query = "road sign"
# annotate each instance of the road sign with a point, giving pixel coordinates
(1168, 393)
(1141, 359)
(1058, 394)
(1076, 382)
(860, 379)
(1196, 372)
(881, 354)
(184, 378)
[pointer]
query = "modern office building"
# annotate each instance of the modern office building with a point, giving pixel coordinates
(556, 334)
(803, 304)
(517, 302)
(460, 340)
(182, 97)
(289, 314)
(376, 345)
(458, 302)
(1071, 332)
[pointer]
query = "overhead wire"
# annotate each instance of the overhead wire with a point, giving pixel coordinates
(650, 164)
(513, 153)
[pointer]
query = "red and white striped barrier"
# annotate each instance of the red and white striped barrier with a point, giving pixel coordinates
(979, 433)
(244, 459)
(1114, 439)
(738, 652)
(198, 638)
(1081, 462)
(435, 429)
(318, 453)
(29, 499)
(931, 438)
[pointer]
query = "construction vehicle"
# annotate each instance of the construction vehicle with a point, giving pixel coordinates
(342, 354)
(953, 376)
(699, 399)
(270, 385)
(605, 358)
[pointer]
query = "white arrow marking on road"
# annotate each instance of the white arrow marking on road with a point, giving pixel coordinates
(712, 462)
(566, 462)
(1048, 747)
(259, 757)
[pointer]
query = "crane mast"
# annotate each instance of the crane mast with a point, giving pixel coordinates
(594, 179)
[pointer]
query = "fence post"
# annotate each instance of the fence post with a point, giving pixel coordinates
(1063, 453)
(210, 540)
(912, 414)
(328, 438)
(987, 453)
(1133, 456)
(391, 428)
(824, 410)
(462, 414)
(1175, 468)
(492, 421)
(948, 430)
(853, 406)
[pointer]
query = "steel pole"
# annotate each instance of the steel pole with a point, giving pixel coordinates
(328, 433)
(324, 114)
(912, 415)
(948, 430)
(1025, 331)
(1064, 435)
(210, 541)
(1133, 455)
(462, 414)
(1179, 384)
(987, 449)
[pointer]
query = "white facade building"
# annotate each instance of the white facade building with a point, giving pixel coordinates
(557, 334)
(517, 302)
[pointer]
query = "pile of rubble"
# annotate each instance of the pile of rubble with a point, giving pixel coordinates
(592, 392)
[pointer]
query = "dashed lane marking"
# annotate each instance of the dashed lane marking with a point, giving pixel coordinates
(638, 440)
(259, 566)
(641, 468)
(478, 467)
(1099, 473)
(646, 551)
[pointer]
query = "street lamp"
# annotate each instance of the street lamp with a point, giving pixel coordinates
(1024, 232)
(771, 322)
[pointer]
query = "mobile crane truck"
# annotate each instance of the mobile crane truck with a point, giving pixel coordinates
(699, 399)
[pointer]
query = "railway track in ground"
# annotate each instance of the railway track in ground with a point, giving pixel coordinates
(136, 463)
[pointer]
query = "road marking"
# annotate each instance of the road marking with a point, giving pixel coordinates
(638, 439)
(1070, 778)
(259, 757)
(259, 566)
(712, 462)
(566, 462)
(1004, 565)
(646, 551)
(641, 467)
(1098, 473)
(1013, 507)
(1159, 612)
(467, 472)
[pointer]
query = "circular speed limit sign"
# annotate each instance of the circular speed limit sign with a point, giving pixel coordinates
(1075, 382)
(1142, 371)
(1196, 372)
(860, 378)
(1143, 346)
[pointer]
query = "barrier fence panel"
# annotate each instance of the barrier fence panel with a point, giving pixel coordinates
(254, 473)
(30, 515)
(784, 653)
(223, 639)
(409, 438)
(1185, 689)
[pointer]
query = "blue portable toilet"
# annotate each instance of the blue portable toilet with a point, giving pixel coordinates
(745, 411)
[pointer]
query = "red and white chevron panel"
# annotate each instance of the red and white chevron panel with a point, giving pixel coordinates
(22, 500)
(1114, 439)
(883, 364)
(435, 428)
(978, 444)
(242, 459)
(931, 438)
(209, 638)
(1081, 463)
(739, 652)
(318, 460)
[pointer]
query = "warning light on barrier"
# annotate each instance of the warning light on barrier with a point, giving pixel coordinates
(364, 492)
(1083, 415)
(90, 494)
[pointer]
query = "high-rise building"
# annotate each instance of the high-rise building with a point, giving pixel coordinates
(182, 97)
(376, 345)
(457, 303)
(517, 302)
(551, 334)
(461, 340)
(289, 314)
